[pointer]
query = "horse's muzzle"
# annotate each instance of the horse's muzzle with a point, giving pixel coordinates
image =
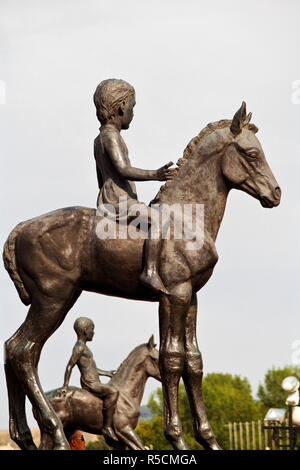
(272, 200)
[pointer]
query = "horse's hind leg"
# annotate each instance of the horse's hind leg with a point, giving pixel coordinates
(18, 427)
(23, 353)
(125, 440)
(192, 376)
(46, 442)
(128, 433)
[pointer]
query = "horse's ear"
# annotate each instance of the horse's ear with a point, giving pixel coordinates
(248, 118)
(238, 120)
(150, 344)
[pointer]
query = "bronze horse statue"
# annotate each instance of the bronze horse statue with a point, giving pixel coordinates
(53, 258)
(80, 409)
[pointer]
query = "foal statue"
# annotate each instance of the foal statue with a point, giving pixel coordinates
(53, 258)
(79, 408)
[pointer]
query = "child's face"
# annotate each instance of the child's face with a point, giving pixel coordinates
(89, 332)
(128, 111)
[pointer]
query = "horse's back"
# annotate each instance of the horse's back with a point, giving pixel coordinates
(78, 409)
(54, 246)
(64, 248)
(60, 231)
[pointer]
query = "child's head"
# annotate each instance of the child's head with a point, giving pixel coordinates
(84, 326)
(111, 99)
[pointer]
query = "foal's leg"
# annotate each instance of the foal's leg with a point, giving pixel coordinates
(172, 313)
(46, 442)
(192, 376)
(124, 429)
(23, 352)
(128, 435)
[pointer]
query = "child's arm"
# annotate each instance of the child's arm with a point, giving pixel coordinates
(106, 373)
(77, 352)
(113, 147)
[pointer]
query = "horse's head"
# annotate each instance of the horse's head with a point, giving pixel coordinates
(244, 164)
(152, 368)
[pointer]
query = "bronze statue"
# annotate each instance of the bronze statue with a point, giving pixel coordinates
(53, 258)
(89, 374)
(82, 409)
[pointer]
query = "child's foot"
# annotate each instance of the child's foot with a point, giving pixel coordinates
(153, 281)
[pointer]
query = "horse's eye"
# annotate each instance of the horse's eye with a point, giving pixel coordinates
(252, 155)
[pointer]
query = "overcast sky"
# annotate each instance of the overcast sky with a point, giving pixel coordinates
(191, 62)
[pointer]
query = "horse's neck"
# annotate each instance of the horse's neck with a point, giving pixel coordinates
(132, 383)
(212, 191)
(201, 183)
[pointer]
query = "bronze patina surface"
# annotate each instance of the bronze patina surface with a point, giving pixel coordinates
(53, 258)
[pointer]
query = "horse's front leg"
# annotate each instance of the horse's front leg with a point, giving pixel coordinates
(192, 376)
(172, 312)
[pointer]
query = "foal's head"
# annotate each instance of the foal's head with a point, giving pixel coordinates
(244, 164)
(151, 360)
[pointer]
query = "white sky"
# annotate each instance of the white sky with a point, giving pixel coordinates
(191, 62)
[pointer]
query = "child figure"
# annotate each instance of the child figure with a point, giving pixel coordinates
(89, 374)
(114, 100)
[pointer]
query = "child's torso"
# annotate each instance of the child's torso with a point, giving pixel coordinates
(87, 367)
(111, 185)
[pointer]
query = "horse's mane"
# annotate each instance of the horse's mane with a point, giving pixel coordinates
(189, 149)
(128, 361)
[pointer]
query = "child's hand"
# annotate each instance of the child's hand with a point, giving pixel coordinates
(164, 173)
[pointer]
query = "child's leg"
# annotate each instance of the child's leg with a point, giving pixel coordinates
(109, 396)
(150, 275)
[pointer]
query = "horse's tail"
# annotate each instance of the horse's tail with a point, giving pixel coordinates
(10, 263)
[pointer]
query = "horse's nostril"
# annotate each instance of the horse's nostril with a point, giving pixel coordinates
(277, 192)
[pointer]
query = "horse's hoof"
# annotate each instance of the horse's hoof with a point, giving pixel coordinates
(179, 444)
(62, 446)
(109, 434)
(61, 443)
(173, 434)
(211, 444)
(207, 439)
(32, 447)
(24, 440)
(216, 446)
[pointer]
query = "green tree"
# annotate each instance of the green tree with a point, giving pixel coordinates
(270, 392)
(227, 399)
(152, 435)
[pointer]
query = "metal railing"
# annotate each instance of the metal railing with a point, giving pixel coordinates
(251, 435)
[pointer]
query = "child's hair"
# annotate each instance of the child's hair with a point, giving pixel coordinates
(81, 323)
(109, 95)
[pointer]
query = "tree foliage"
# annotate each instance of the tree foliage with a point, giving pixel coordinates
(270, 392)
